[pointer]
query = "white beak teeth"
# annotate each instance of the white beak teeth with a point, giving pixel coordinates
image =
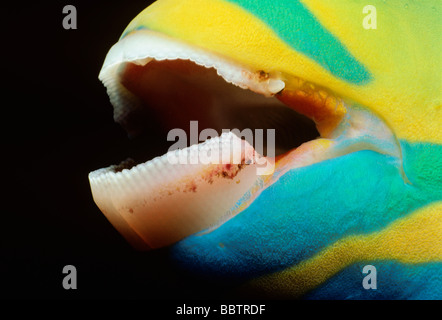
(143, 46)
(157, 203)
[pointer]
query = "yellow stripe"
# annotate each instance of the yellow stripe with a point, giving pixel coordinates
(227, 29)
(414, 239)
(403, 56)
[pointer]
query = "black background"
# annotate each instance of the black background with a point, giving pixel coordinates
(57, 127)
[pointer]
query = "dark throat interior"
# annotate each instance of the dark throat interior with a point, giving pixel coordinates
(174, 92)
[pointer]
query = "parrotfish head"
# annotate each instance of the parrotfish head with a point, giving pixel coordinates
(352, 178)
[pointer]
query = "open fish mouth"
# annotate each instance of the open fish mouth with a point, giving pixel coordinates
(158, 84)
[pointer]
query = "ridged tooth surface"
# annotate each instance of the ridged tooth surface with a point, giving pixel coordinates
(158, 203)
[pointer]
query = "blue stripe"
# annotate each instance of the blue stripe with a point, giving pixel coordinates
(300, 29)
(309, 208)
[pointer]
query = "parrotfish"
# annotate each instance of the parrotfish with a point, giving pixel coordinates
(355, 179)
